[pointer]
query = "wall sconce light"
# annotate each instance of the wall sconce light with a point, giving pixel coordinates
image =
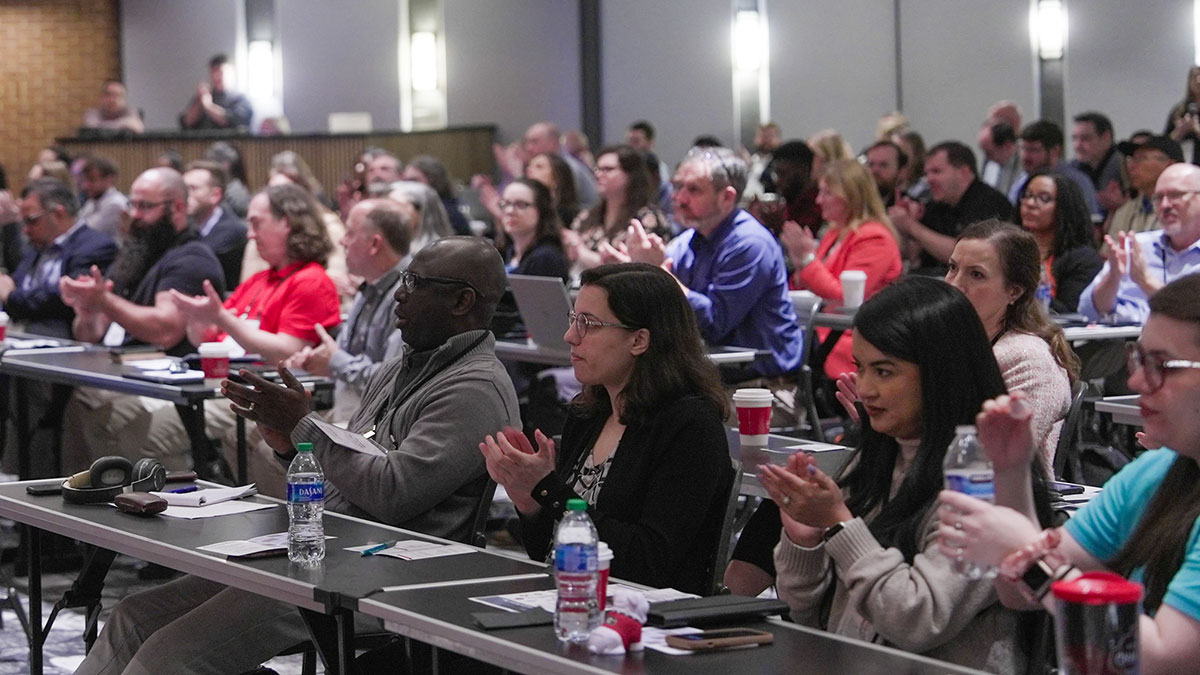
(1048, 25)
(260, 70)
(749, 41)
(424, 61)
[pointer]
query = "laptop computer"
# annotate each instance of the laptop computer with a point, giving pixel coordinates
(544, 305)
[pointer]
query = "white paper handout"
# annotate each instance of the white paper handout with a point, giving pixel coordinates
(415, 549)
(205, 497)
(349, 439)
(214, 510)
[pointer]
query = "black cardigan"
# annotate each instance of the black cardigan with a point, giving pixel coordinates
(662, 503)
(1073, 271)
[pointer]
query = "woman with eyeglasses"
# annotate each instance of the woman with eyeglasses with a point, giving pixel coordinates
(1052, 208)
(1143, 524)
(626, 194)
(645, 442)
(532, 229)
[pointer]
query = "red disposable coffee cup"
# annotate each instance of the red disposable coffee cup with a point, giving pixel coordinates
(3, 325)
(754, 414)
(604, 556)
(214, 360)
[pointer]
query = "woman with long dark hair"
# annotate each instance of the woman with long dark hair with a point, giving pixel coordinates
(626, 194)
(1142, 525)
(645, 442)
(1052, 208)
(858, 554)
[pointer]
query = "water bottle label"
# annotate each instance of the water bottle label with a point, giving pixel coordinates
(299, 493)
(575, 558)
(978, 485)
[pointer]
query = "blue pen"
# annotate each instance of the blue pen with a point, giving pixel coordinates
(379, 547)
(184, 490)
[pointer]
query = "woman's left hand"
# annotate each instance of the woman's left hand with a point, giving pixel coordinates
(975, 530)
(805, 493)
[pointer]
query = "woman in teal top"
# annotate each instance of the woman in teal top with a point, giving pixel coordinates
(1143, 525)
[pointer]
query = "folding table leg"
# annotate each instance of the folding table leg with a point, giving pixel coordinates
(333, 635)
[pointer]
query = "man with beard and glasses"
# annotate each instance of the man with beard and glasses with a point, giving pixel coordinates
(134, 306)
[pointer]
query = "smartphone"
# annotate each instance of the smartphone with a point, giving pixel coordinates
(720, 639)
(1065, 488)
(44, 489)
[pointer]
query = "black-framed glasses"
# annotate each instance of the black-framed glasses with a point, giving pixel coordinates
(585, 322)
(1154, 368)
(32, 218)
(518, 204)
(411, 281)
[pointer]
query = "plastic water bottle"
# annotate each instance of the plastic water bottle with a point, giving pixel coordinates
(1043, 292)
(576, 571)
(969, 471)
(306, 507)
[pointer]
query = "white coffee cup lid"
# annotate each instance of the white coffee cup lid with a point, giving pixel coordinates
(213, 349)
(854, 274)
(603, 552)
(752, 396)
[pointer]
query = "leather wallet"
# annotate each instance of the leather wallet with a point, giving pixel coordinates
(141, 503)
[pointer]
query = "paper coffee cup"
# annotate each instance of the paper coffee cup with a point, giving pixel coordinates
(605, 556)
(854, 283)
(3, 325)
(754, 414)
(214, 360)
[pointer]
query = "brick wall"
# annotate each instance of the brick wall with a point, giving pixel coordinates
(54, 55)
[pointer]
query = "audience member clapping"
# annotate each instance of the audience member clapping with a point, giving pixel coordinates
(623, 180)
(925, 367)
(859, 237)
(644, 444)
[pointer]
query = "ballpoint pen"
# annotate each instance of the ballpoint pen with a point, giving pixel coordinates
(379, 547)
(184, 490)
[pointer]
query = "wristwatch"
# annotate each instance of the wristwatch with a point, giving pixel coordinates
(832, 531)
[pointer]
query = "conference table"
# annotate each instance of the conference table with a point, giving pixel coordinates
(317, 591)
(429, 600)
(838, 319)
(830, 458)
(78, 365)
(1124, 409)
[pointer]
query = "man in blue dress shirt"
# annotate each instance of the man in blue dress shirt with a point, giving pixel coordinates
(730, 267)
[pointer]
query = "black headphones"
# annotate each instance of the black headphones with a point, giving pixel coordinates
(112, 475)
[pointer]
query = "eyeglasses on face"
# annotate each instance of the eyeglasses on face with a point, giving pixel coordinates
(32, 218)
(1171, 196)
(1042, 198)
(585, 322)
(518, 204)
(1154, 368)
(411, 281)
